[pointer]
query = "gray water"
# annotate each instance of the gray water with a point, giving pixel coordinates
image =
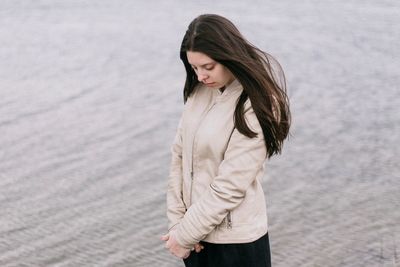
(90, 96)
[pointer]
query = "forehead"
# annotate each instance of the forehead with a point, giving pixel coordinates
(198, 58)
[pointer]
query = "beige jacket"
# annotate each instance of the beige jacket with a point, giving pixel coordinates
(214, 188)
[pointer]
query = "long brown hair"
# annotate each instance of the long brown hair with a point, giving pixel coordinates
(259, 73)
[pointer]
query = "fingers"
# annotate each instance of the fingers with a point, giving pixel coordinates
(198, 247)
(182, 253)
(186, 255)
(179, 252)
(165, 237)
(175, 249)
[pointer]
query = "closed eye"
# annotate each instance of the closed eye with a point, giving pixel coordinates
(209, 66)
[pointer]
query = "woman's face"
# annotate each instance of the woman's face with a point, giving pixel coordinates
(209, 71)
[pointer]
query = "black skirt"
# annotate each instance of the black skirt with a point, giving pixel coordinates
(254, 254)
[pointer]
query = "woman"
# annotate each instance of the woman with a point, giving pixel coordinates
(236, 115)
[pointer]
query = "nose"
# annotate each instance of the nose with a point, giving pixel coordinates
(201, 76)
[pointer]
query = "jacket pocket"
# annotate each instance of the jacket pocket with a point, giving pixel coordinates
(249, 209)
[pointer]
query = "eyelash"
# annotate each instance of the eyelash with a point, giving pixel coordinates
(209, 68)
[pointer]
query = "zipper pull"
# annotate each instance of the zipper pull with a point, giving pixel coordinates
(229, 221)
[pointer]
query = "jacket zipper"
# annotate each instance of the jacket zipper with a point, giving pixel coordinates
(191, 184)
(194, 137)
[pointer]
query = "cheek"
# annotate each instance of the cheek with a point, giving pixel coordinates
(226, 76)
(220, 75)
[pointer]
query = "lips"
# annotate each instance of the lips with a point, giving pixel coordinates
(209, 84)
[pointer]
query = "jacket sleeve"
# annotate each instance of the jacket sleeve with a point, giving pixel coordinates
(175, 206)
(243, 158)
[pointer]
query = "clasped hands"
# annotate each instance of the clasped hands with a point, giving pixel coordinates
(173, 246)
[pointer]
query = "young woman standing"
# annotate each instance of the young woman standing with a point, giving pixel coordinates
(236, 115)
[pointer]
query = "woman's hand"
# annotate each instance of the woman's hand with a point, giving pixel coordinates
(198, 247)
(173, 246)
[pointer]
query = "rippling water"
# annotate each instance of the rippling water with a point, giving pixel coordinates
(90, 95)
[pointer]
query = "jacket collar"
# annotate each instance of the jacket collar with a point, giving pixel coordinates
(233, 88)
